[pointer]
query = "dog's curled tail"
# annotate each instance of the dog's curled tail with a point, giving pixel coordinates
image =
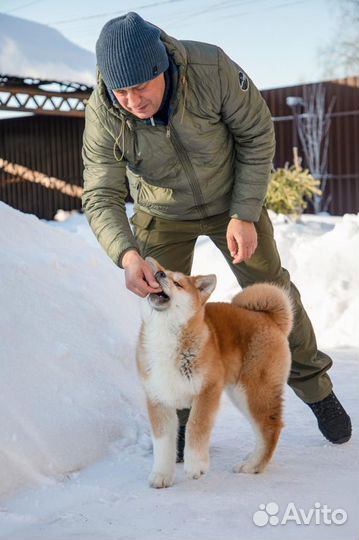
(270, 299)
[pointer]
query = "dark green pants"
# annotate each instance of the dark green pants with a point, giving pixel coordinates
(172, 244)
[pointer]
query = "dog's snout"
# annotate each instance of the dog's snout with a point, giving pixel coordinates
(160, 274)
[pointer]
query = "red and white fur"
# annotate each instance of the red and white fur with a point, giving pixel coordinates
(189, 351)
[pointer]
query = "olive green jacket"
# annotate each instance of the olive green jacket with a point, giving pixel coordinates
(214, 155)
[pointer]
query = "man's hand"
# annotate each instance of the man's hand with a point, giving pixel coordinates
(138, 275)
(241, 240)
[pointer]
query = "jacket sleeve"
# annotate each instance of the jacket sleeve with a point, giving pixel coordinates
(247, 117)
(105, 189)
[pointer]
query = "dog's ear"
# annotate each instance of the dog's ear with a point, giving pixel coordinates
(206, 285)
(155, 267)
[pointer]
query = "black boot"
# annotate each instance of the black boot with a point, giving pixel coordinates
(333, 421)
(180, 443)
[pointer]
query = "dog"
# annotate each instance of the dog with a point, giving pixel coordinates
(189, 351)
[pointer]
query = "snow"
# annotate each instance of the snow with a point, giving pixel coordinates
(30, 49)
(322, 258)
(75, 450)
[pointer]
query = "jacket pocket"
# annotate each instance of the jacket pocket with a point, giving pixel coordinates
(142, 224)
(155, 198)
(141, 219)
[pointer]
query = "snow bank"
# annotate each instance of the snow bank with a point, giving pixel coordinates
(68, 329)
(324, 264)
(321, 254)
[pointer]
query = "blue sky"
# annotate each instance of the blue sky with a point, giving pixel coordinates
(275, 41)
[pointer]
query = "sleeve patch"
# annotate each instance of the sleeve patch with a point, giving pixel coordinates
(243, 81)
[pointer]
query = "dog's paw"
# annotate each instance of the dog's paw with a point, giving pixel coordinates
(247, 467)
(194, 469)
(196, 463)
(159, 479)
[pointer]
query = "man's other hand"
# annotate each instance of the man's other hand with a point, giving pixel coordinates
(138, 275)
(241, 240)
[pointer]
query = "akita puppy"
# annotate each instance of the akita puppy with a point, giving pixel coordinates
(189, 351)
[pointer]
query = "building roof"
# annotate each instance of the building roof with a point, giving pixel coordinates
(34, 50)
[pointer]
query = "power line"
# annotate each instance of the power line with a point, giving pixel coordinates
(99, 15)
(155, 4)
(223, 6)
(23, 6)
(277, 6)
(215, 7)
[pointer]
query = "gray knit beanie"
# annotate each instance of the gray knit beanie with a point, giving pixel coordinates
(129, 52)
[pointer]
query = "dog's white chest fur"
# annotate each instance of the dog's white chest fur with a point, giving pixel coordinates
(171, 377)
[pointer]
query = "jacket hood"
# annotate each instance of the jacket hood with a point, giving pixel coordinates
(176, 49)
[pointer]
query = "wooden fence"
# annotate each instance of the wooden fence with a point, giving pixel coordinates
(41, 167)
(48, 149)
(342, 189)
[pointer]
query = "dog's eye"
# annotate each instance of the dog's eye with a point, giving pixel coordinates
(177, 284)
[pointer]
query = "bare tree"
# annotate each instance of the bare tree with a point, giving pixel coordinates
(313, 130)
(340, 57)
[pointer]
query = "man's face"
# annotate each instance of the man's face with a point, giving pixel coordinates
(142, 100)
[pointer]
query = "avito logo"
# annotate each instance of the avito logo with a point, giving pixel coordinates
(319, 515)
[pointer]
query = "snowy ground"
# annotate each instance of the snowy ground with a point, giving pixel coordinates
(74, 445)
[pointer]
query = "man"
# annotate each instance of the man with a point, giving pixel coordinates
(193, 136)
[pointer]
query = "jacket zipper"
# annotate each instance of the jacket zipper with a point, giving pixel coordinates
(188, 169)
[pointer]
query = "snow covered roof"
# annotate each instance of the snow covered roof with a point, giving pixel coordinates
(30, 49)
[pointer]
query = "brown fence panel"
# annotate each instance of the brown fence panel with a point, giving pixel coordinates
(341, 194)
(48, 145)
